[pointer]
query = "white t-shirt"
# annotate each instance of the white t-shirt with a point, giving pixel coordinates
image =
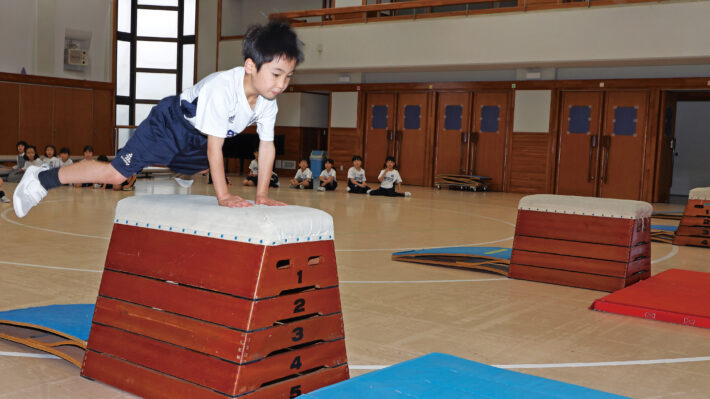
(357, 175)
(391, 178)
(53, 162)
(325, 174)
(62, 163)
(36, 162)
(223, 109)
(304, 174)
(254, 167)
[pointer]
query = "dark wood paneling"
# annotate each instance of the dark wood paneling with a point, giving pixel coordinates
(488, 154)
(379, 143)
(50, 81)
(103, 132)
(529, 163)
(452, 146)
(412, 147)
(36, 112)
(343, 144)
(9, 117)
(73, 125)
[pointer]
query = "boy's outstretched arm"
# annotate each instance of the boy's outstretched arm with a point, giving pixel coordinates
(216, 160)
(267, 154)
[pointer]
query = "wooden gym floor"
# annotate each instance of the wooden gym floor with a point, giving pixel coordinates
(393, 311)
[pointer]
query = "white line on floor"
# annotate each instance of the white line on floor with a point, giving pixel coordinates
(421, 281)
(73, 269)
(572, 365)
(23, 354)
(674, 251)
(4, 216)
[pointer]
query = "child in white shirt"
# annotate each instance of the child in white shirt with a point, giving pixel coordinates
(64, 159)
(389, 176)
(50, 159)
(304, 176)
(253, 175)
(327, 177)
(356, 177)
(30, 160)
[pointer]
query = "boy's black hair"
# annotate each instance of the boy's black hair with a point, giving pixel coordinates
(23, 142)
(264, 43)
(390, 159)
(102, 158)
(303, 159)
(330, 161)
(356, 158)
(27, 147)
(50, 146)
(88, 148)
(64, 150)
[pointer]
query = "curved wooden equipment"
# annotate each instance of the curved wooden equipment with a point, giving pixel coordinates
(187, 316)
(462, 182)
(487, 259)
(60, 330)
(663, 234)
(593, 243)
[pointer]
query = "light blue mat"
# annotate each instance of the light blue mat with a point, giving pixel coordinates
(439, 376)
(72, 320)
(492, 252)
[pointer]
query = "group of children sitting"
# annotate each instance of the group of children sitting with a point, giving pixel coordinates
(27, 156)
(390, 180)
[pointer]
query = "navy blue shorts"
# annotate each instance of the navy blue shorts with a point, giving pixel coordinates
(165, 138)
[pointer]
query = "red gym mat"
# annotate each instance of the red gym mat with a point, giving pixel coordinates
(676, 296)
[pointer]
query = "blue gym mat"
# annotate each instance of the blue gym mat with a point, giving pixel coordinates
(70, 320)
(440, 376)
(493, 252)
(663, 227)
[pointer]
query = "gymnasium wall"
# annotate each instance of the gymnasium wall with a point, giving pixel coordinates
(33, 37)
(651, 34)
(691, 168)
(302, 110)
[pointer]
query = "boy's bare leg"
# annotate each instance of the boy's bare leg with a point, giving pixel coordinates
(90, 172)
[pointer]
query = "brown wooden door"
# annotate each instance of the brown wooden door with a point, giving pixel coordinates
(379, 132)
(72, 119)
(36, 105)
(487, 153)
(411, 137)
(452, 133)
(666, 148)
(578, 154)
(103, 132)
(622, 144)
(9, 117)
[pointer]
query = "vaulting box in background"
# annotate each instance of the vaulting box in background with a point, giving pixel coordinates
(198, 300)
(694, 228)
(596, 243)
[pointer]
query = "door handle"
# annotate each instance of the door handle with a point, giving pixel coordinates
(672, 144)
(593, 141)
(464, 137)
(390, 135)
(606, 145)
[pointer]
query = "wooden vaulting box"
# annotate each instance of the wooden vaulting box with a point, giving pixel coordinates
(198, 300)
(596, 243)
(694, 228)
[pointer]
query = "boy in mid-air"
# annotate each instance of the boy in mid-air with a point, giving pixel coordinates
(186, 131)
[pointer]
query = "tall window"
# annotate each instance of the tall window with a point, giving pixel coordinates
(155, 54)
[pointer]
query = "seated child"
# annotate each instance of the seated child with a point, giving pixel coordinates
(126, 185)
(356, 177)
(21, 145)
(3, 198)
(389, 176)
(304, 176)
(327, 177)
(253, 175)
(30, 159)
(50, 157)
(64, 159)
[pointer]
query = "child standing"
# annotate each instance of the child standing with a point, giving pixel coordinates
(356, 177)
(30, 160)
(389, 176)
(304, 176)
(50, 157)
(327, 177)
(64, 159)
(187, 131)
(21, 145)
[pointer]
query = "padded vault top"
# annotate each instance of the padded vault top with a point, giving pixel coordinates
(589, 206)
(200, 215)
